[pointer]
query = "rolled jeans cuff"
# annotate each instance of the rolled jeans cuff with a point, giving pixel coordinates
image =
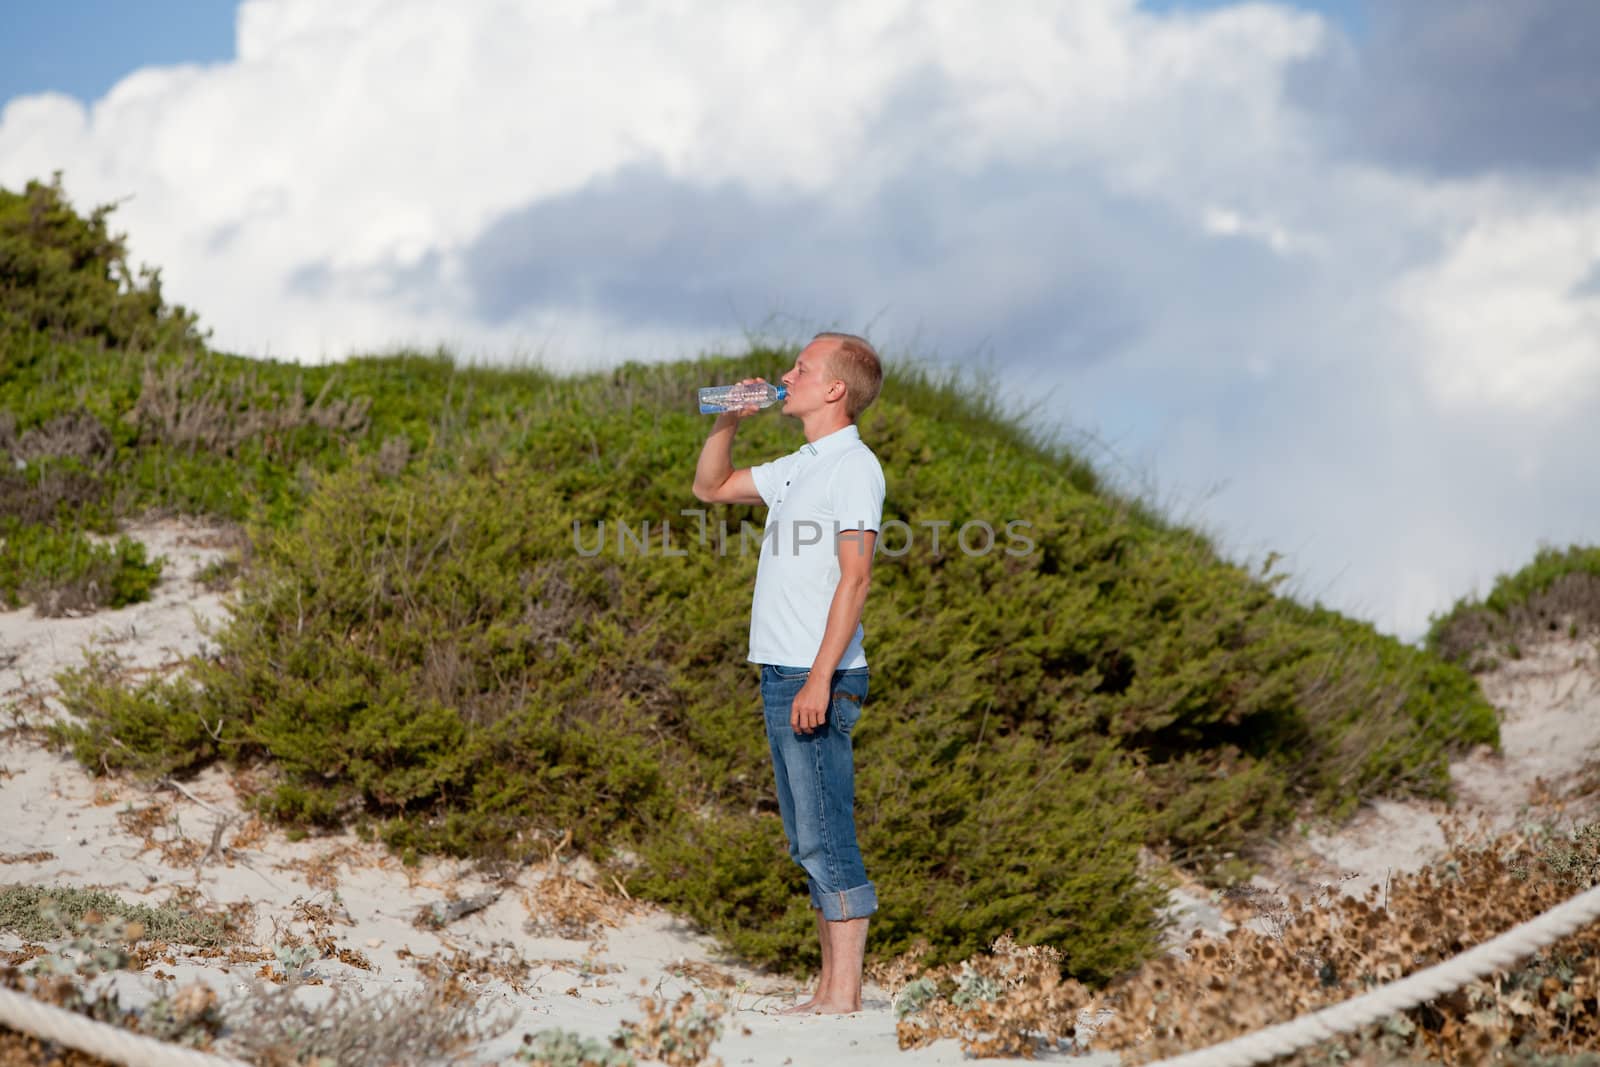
(856, 903)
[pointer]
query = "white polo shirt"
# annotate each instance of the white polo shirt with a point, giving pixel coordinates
(831, 484)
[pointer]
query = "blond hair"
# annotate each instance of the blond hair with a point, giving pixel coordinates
(855, 362)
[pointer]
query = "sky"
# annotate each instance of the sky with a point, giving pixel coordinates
(1321, 278)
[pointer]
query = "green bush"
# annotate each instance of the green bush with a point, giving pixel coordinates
(153, 728)
(67, 276)
(66, 573)
(1557, 593)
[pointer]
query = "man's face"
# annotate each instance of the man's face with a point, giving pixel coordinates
(808, 380)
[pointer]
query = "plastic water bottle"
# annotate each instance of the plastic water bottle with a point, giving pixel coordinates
(718, 398)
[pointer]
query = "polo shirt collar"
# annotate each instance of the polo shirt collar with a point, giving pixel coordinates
(833, 442)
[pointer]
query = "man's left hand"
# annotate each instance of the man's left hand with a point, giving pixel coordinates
(810, 708)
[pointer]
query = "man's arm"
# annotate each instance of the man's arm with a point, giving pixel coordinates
(810, 708)
(715, 480)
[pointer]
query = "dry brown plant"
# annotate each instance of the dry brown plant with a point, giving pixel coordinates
(1289, 956)
(560, 905)
(18, 1049)
(26, 857)
(319, 920)
(706, 975)
(17, 957)
(503, 964)
(1010, 1001)
(1320, 954)
(678, 1034)
(322, 870)
(145, 823)
(249, 836)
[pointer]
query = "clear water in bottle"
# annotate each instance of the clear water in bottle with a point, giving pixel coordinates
(719, 398)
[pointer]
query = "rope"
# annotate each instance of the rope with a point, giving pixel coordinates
(62, 1027)
(1408, 992)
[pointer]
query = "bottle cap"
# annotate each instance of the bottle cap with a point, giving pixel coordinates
(783, 391)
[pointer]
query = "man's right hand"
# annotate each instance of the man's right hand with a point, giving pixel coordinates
(733, 415)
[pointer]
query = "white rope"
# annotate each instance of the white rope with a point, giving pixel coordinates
(29, 1016)
(1408, 992)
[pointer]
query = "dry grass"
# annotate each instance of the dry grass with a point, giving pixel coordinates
(1479, 637)
(560, 905)
(276, 1027)
(158, 829)
(505, 964)
(72, 435)
(26, 857)
(185, 405)
(322, 870)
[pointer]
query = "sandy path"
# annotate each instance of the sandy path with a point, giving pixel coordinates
(1549, 701)
(1547, 772)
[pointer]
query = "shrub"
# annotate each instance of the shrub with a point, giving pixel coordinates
(1557, 593)
(67, 276)
(37, 913)
(154, 728)
(64, 573)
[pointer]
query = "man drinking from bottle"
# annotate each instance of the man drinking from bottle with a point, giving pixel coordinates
(805, 629)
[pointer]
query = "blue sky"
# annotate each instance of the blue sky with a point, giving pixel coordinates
(82, 47)
(1319, 278)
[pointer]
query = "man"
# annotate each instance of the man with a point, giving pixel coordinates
(824, 506)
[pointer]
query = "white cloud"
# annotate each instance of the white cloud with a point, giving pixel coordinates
(362, 137)
(1048, 183)
(1500, 317)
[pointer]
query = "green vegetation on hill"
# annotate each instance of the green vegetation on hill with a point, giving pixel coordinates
(1559, 592)
(428, 642)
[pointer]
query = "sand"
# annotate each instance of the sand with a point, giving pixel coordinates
(536, 957)
(1547, 773)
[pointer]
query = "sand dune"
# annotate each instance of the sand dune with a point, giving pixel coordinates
(556, 947)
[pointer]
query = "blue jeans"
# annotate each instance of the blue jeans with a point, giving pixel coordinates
(815, 775)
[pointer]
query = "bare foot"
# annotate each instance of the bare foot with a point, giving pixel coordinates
(818, 1007)
(824, 1007)
(805, 1007)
